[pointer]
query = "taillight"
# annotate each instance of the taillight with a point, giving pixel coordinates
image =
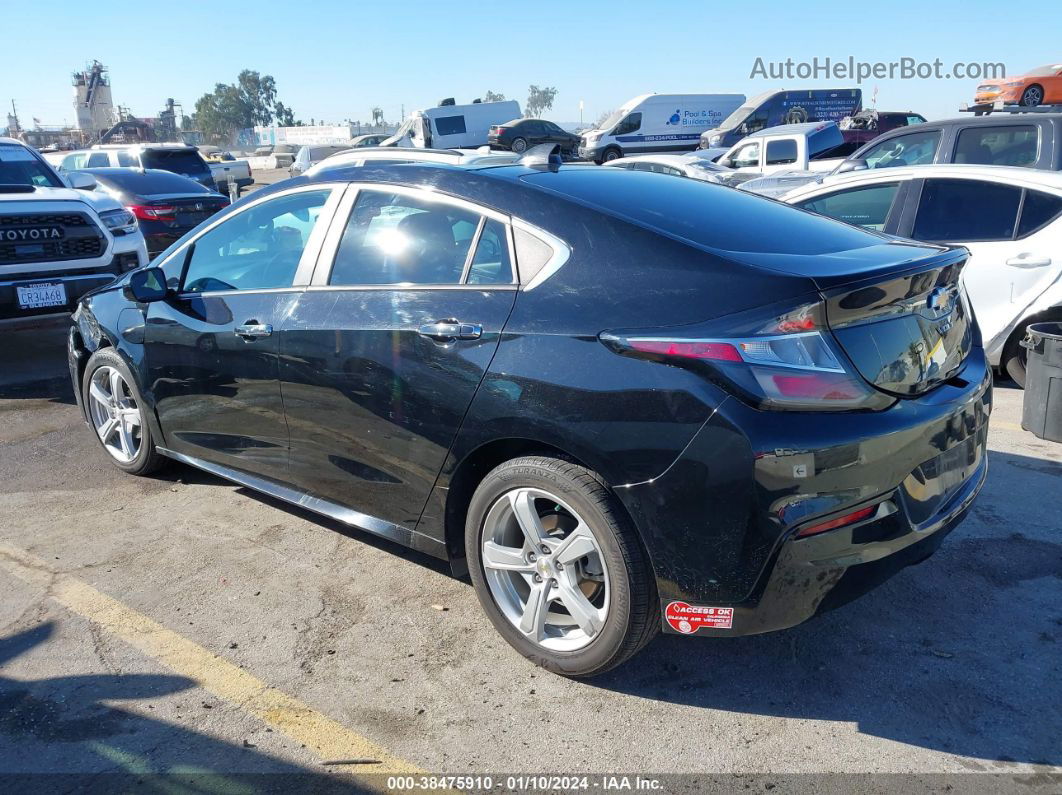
(789, 361)
(833, 524)
(153, 212)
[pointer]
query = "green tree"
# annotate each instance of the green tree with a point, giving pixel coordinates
(493, 96)
(260, 94)
(377, 116)
(539, 100)
(284, 116)
(251, 100)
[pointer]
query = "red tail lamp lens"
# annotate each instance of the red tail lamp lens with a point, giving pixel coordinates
(833, 524)
(719, 351)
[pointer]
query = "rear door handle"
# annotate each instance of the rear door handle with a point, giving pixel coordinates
(1027, 261)
(445, 330)
(252, 330)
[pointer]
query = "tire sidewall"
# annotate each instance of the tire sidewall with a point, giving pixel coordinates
(610, 155)
(107, 357)
(519, 149)
(610, 639)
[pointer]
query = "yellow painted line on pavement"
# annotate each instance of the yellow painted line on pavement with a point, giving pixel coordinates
(327, 738)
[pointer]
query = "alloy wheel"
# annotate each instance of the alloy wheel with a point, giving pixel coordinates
(545, 569)
(1032, 97)
(115, 414)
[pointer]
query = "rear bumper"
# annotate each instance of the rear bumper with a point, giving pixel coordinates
(720, 524)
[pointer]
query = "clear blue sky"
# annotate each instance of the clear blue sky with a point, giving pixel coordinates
(335, 59)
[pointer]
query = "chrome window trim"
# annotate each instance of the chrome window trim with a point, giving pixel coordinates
(406, 287)
(313, 243)
(561, 253)
(330, 248)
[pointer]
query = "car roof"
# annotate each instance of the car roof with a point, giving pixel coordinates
(457, 157)
(1025, 177)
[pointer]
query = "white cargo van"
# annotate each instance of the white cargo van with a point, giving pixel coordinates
(453, 126)
(657, 123)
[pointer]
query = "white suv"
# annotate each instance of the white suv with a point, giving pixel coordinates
(58, 237)
(1010, 219)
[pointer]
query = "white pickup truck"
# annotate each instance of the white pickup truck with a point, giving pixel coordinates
(58, 237)
(812, 146)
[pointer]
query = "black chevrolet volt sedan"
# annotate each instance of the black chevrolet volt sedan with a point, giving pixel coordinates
(623, 403)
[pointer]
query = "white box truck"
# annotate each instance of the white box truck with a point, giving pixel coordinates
(450, 126)
(657, 123)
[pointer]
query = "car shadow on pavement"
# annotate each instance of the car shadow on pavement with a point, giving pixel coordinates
(960, 654)
(33, 363)
(61, 734)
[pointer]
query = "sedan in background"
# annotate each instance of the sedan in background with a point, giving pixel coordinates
(617, 417)
(1010, 220)
(694, 165)
(519, 135)
(166, 205)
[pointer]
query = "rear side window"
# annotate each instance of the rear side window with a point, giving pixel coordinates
(450, 125)
(998, 146)
(781, 152)
(491, 263)
(912, 149)
(98, 160)
(1038, 211)
(126, 160)
(179, 161)
(531, 254)
(867, 207)
(966, 210)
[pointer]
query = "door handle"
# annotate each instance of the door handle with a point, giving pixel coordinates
(447, 330)
(253, 330)
(1027, 261)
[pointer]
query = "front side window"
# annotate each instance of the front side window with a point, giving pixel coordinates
(394, 238)
(998, 146)
(631, 124)
(913, 149)
(867, 207)
(256, 249)
(747, 155)
(966, 210)
(781, 152)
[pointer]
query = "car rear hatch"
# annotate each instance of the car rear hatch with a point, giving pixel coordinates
(191, 212)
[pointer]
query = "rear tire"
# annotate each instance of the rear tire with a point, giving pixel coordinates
(596, 602)
(519, 145)
(1032, 96)
(117, 415)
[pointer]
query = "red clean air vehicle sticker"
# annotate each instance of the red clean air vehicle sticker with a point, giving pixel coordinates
(687, 619)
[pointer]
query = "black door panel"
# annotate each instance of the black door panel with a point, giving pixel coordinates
(217, 391)
(373, 403)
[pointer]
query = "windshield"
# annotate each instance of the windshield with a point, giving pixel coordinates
(613, 119)
(1045, 71)
(735, 118)
(18, 166)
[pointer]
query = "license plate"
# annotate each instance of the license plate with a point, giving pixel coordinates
(35, 296)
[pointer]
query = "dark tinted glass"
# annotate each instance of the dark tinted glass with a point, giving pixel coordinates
(962, 210)
(781, 152)
(450, 125)
(710, 215)
(179, 161)
(997, 146)
(156, 183)
(19, 167)
(1039, 210)
(867, 207)
(490, 264)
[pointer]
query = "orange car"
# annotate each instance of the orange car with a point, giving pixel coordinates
(1039, 86)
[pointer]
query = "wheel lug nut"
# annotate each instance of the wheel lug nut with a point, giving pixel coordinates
(560, 566)
(545, 550)
(537, 578)
(532, 557)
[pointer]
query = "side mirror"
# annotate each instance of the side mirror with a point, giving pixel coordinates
(858, 164)
(146, 285)
(82, 181)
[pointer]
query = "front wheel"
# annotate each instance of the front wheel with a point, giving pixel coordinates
(557, 567)
(610, 155)
(115, 411)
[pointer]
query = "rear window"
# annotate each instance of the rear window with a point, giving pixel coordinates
(153, 184)
(709, 215)
(180, 161)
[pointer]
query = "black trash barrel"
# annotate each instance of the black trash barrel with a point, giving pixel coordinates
(1042, 408)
